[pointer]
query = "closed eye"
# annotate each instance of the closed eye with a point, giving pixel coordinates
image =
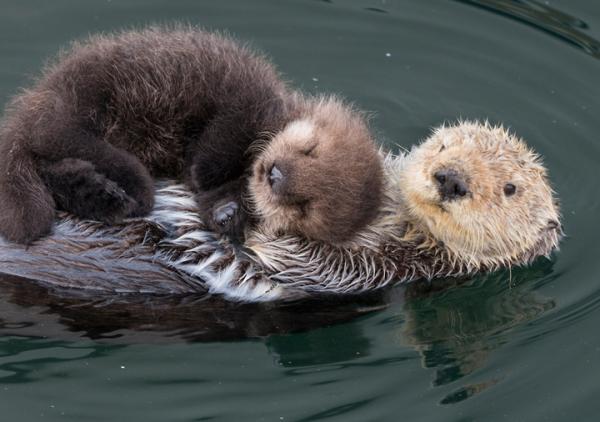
(310, 150)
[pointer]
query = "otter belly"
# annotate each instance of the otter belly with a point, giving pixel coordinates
(168, 252)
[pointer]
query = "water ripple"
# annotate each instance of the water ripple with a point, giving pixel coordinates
(337, 410)
(545, 18)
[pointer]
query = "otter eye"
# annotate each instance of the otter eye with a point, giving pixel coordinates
(310, 150)
(509, 189)
(443, 147)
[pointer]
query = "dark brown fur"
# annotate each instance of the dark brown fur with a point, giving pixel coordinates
(332, 181)
(116, 110)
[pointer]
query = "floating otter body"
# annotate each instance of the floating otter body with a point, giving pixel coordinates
(115, 111)
(493, 208)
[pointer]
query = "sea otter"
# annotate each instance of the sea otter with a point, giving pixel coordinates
(470, 198)
(115, 111)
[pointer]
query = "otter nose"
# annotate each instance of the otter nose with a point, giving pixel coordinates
(451, 184)
(276, 178)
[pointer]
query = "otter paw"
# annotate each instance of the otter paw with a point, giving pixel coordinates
(100, 199)
(222, 210)
(113, 203)
(79, 189)
(228, 219)
(224, 214)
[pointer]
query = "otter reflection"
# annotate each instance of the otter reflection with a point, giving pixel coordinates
(30, 309)
(454, 324)
(455, 329)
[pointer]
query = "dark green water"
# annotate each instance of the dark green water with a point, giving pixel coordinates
(491, 349)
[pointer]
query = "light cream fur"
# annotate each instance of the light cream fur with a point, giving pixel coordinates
(486, 226)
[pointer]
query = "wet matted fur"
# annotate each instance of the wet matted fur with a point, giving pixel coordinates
(172, 252)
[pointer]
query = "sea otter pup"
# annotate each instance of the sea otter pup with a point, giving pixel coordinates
(470, 198)
(115, 111)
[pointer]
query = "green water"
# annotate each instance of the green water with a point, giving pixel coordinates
(515, 347)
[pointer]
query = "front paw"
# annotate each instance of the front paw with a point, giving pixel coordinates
(228, 219)
(223, 215)
(222, 210)
(110, 203)
(79, 189)
(95, 197)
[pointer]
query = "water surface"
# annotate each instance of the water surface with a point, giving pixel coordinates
(520, 346)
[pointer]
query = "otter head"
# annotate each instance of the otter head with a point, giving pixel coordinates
(320, 177)
(483, 193)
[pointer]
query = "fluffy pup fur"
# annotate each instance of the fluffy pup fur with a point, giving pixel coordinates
(114, 111)
(323, 162)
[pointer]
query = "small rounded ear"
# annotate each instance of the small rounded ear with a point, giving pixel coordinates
(553, 225)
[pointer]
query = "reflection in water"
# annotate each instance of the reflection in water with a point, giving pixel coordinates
(334, 344)
(28, 309)
(467, 391)
(453, 324)
(455, 330)
(545, 18)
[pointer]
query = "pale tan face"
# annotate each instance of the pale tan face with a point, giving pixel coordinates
(318, 178)
(481, 191)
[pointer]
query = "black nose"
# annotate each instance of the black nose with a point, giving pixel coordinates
(276, 178)
(451, 184)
